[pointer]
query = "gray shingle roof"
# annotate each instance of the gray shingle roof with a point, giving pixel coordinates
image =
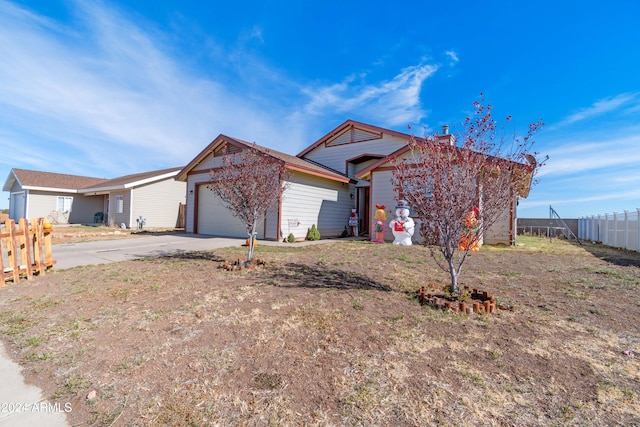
(30, 178)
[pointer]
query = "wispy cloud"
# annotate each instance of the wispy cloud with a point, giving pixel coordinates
(453, 56)
(580, 154)
(601, 107)
(390, 103)
(105, 90)
(110, 91)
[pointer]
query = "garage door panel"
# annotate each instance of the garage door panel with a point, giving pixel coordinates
(215, 219)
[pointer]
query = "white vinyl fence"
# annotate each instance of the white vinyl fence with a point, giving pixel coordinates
(620, 230)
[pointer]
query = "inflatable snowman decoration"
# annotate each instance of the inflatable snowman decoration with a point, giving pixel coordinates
(402, 226)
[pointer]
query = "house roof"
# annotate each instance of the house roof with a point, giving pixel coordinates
(448, 138)
(355, 125)
(48, 181)
(133, 180)
(291, 162)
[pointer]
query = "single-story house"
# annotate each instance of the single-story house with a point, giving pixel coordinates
(154, 196)
(347, 168)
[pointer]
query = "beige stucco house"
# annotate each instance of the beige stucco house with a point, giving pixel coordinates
(153, 196)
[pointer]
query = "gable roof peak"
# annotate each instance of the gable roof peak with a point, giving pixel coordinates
(291, 162)
(359, 130)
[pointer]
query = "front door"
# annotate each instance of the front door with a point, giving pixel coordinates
(364, 210)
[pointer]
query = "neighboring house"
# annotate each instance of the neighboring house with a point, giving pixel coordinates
(347, 168)
(315, 195)
(155, 196)
(34, 194)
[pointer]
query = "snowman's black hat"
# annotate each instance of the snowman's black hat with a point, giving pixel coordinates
(403, 204)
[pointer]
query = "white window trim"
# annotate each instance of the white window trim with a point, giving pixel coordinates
(119, 207)
(65, 205)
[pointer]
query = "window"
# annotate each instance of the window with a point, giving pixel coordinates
(418, 188)
(119, 204)
(225, 149)
(64, 203)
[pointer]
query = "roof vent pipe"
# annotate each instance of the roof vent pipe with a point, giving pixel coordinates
(445, 129)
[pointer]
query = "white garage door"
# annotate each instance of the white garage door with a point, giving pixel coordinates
(216, 220)
(17, 206)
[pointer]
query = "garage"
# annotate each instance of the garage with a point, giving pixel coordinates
(216, 220)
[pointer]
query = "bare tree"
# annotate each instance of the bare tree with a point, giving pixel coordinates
(249, 183)
(447, 179)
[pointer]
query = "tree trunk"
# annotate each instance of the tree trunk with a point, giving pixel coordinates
(252, 240)
(449, 254)
(453, 288)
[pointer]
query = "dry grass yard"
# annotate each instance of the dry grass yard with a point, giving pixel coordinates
(333, 335)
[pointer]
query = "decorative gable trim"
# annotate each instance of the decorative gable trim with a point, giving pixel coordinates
(346, 127)
(352, 134)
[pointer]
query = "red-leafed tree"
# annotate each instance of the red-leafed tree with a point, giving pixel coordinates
(447, 178)
(249, 183)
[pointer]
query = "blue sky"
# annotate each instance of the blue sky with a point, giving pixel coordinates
(108, 88)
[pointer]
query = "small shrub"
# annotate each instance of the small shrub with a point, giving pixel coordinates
(313, 233)
(291, 238)
(345, 232)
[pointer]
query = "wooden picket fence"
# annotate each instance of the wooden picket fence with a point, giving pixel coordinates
(25, 250)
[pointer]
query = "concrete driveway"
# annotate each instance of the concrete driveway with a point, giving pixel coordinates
(70, 255)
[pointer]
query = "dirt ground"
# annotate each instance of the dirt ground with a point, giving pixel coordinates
(76, 234)
(333, 335)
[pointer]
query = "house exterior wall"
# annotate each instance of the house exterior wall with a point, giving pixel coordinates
(335, 156)
(158, 203)
(43, 204)
(312, 200)
(382, 194)
(15, 187)
(501, 232)
(353, 169)
(117, 218)
(271, 225)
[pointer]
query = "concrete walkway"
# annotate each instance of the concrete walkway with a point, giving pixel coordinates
(21, 404)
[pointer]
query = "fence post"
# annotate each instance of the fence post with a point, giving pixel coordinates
(615, 230)
(12, 257)
(36, 225)
(3, 275)
(26, 265)
(626, 229)
(587, 228)
(638, 229)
